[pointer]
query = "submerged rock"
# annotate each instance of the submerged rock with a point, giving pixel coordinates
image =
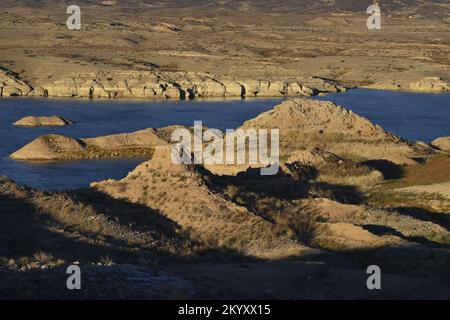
(32, 121)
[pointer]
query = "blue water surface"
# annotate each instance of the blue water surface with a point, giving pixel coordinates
(414, 116)
(101, 117)
(411, 115)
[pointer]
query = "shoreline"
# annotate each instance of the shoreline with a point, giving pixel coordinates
(215, 98)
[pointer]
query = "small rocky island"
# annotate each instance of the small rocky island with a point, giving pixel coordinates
(32, 121)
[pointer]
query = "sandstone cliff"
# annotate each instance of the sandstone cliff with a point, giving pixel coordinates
(162, 85)
(430, 84)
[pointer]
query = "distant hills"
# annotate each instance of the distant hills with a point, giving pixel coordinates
(411, 7)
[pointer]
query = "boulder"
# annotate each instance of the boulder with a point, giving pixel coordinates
(442, 143)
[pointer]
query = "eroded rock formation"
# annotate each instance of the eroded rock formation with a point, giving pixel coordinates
(430, 84)
(163, 85)
(11, 85)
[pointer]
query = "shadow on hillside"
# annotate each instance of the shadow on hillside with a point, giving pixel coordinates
(135, 216)
(26, 230)
(284, 186)
(390, 170)
(152, 223)
(23, 231)
(439, 218)
(388, 231)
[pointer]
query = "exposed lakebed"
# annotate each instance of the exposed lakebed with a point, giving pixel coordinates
(415, 116)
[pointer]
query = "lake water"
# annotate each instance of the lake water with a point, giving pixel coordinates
(411, 115)
(103, 117)
(414, 116)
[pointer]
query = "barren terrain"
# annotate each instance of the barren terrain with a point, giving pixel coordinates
(132, 49)
(348, 193)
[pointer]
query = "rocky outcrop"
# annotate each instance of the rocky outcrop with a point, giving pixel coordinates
(165, 27)
(58, 147)
(33, 121)
(11, 85)
(308, 124)
(430, 84)
(427, 84)
(178, 85)
(314, 157)
(442, 143)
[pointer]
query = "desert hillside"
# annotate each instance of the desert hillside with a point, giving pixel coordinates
(180, 49)
(348, 193)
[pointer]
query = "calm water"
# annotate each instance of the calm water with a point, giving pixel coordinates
(414, 116)
(95, 118)
(411, 115)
